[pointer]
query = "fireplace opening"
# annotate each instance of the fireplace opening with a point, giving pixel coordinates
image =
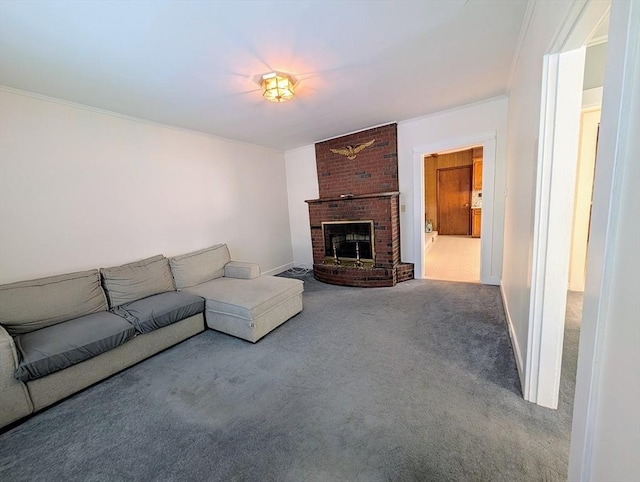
(349, 243)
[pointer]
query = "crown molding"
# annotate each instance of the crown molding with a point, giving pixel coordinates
(457, 108)
(524, 30)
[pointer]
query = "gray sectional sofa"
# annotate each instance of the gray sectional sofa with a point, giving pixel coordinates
(61, 334)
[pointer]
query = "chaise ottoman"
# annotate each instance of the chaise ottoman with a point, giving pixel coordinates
(238, 300)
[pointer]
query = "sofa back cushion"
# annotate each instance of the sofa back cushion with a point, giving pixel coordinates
(27, 306)
(200, 266)
(133, 281)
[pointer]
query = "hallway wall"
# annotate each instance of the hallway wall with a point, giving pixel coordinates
(584, 188)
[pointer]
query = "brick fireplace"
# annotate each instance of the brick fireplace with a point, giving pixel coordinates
(358, 188)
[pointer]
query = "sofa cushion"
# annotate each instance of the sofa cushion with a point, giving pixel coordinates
(156, 311)
(200, 266)
(57, 347)
(31, 305)
(133, 281)
(247, 298)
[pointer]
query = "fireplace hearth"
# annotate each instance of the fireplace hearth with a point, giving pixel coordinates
(355, 222)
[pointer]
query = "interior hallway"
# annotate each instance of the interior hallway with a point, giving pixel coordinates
(453, 258)
(573, 320)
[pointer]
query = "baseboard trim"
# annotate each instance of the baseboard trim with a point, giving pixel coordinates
(493, 280)
(514, 340)
(278, 270)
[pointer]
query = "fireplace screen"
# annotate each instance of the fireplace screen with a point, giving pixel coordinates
(350, 241)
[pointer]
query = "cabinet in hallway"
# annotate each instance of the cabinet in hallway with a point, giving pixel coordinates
(476, 222)
(477, 174)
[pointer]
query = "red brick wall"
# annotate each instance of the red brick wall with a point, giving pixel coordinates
(372, 179)
(374, 170)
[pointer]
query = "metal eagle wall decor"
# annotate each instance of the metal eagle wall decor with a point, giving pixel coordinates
(351, 152)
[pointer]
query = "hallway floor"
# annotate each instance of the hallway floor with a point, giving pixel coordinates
(572, 323)
(454, 258)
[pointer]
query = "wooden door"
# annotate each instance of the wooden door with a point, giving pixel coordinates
(454, 200)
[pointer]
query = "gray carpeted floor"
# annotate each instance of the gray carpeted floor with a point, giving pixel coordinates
(416, 382)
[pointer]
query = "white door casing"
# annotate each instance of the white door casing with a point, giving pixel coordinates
(488, 141)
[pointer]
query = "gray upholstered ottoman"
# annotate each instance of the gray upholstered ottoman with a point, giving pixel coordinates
(249, 309)
(238, 301)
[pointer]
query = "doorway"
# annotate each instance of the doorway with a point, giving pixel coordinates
(557, 237)
(490, 245)
(451, 253)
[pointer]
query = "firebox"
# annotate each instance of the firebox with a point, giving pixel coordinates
(349, 243)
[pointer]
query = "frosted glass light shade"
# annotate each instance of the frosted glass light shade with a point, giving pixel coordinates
(277, 87)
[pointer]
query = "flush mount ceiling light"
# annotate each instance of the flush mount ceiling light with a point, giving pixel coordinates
(277, 87)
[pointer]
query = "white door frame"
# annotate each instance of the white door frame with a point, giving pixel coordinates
(615, 149)
(553, 222)
(488, 141)
(560, 110)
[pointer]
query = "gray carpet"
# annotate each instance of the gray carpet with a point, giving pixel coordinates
(416, 382)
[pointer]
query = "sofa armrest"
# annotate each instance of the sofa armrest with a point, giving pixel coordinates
(15, 402)
(240, 270)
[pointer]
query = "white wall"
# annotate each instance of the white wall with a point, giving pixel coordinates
(467, 121)
(594, 63)
(82, 189)
(522, 155)
(302, 184)
(447, 128)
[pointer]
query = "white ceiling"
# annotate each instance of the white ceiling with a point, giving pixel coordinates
(194, 64)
